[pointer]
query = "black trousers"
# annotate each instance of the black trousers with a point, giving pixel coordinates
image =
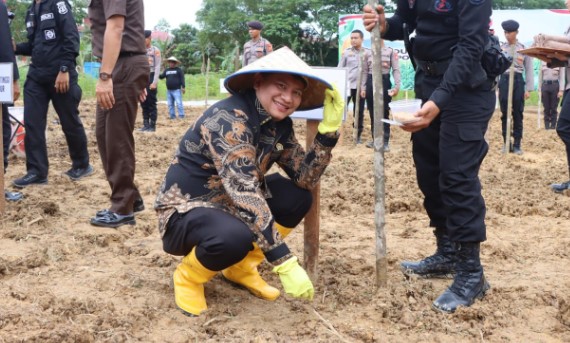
(448, 155)
(37, 96)
(549, 95)
(563, 127)
(222, 239)
(149, 109)
(6, 133)
(386, 85)
(518, 105)
(360, 109)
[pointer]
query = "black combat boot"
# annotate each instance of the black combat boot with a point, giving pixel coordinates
(439, 265)
(145, 125)
(469, 282)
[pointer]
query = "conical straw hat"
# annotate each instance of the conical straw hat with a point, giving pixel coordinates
(282, 60)
(173, 59)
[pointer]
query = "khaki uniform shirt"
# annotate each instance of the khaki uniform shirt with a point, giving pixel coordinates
(390, 62)
(522, 63)
(552, 74)
(351, 59)
(154, 62)
(253, 50)
(133, 35)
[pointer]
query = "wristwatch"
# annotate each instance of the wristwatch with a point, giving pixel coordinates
(105, 76)
(63, 69)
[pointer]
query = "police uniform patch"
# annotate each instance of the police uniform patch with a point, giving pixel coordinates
(443, 6)
(477, 2)
(46, 16)
(61, 8)
(49, 34)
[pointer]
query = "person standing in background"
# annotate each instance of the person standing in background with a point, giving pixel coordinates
(149, 109)
(53, 43)
(551, 92)
(351, 59)
(258, 46)
(7, 56)
(175, 87)
(118, 41)
(390, 63)
(563, 125)
(520, 93)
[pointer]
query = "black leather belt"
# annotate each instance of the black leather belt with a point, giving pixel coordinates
(433, 68)
(549, 82)
(130, 54)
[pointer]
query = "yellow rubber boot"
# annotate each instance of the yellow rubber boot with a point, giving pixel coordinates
(189, 279)
(244, 273)
(284, 231)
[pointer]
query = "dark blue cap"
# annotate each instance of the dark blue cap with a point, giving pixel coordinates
(510, 25)
(147, 33)
(255, 25)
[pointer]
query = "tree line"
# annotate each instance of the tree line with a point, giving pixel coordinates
(309, 27)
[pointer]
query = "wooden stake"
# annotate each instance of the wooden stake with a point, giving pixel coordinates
(312, 219)
(510, 102)
(3, 200)
(379, 194)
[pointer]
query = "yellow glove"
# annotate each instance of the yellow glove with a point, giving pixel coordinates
(332, 114)
(294, 279)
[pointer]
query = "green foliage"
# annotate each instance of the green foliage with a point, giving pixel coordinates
(527, 4)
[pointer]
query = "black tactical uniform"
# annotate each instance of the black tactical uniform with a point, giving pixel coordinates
(448, 47)
(53, 43)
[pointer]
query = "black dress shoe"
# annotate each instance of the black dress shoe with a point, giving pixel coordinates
(112, 219)
(29, 179)
(79, 173)
(138, 206)
(13, 196)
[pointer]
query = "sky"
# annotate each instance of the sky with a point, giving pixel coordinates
(175, 12)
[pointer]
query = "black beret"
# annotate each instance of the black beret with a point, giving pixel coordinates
(255, 25)
(510, 25)
(147, 33)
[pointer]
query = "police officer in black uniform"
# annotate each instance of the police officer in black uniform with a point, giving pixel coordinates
(449, 137)
(7, 55)
(53, 43)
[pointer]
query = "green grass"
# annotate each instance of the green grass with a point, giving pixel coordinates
(195, 86)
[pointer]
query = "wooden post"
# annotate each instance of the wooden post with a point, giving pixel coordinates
(312, 219)
(207, 79)
(3, 200)
(379, 195)
(539, 95)
(510, 102)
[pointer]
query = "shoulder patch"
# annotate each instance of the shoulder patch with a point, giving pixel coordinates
(443, 6)
(477, 2)
(61, 7)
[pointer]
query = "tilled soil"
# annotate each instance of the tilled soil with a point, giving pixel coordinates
(64, 280)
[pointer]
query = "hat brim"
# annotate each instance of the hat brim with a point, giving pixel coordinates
(285, 62)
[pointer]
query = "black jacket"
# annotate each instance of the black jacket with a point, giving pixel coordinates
(6, 50)
(453, 30)
(174, 78)
(53, 39)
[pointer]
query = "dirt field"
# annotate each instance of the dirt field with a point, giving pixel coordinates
(63, 280)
